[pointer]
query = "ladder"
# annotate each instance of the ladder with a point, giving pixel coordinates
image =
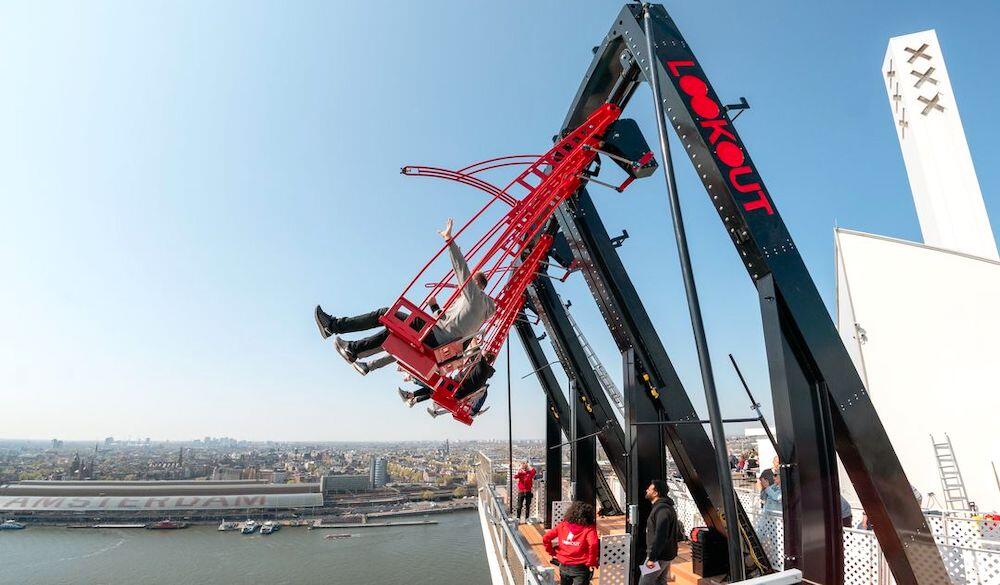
(955, 497)
(610, 388)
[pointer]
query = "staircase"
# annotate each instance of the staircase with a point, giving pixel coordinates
(955, 497)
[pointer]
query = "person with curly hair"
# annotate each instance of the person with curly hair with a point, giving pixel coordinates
(574, 544)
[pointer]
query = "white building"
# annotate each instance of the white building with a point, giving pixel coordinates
(922, 320)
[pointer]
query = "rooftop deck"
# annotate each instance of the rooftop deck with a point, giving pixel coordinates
(680, 567)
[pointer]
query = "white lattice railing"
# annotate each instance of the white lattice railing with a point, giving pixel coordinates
(518, 563)
(969, 544)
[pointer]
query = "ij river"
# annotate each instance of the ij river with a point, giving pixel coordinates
(448, 553)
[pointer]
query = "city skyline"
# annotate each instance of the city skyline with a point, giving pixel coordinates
(181, 186)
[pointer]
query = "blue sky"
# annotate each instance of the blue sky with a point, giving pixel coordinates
(181, 182)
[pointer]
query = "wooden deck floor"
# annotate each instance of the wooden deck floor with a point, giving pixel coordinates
(680, 567)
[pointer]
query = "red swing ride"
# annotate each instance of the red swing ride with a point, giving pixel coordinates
(509, 254)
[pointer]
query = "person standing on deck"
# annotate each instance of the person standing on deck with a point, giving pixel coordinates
(575, 545)
(766, 478)
(525, 480)
(662, 534)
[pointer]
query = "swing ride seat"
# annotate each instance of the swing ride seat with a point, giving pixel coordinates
(515, 246)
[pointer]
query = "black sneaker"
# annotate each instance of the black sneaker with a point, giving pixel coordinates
(405, 395)
(344, 351)
(361, 367)
(324, 322)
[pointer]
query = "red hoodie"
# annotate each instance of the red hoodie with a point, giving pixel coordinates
(525, 479)
(575, 544)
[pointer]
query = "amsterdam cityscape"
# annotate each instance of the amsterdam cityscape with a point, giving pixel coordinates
(205, 480)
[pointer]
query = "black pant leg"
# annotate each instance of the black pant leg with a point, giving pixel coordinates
(528, 496)
(370, 343)
(574, 575)
(359, 322)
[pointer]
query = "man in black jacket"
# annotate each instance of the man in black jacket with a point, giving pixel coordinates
(662, 534)
(475, 379)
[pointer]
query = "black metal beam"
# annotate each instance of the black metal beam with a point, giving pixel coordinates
(547, 379)
(589, 392)
(646, 460)
(582, 455)
(553, 462)
(812, 374)
(631, 328)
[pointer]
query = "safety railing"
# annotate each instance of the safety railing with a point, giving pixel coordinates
(966, 542)
(518, 564)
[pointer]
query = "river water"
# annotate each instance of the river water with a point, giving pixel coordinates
(448, 553)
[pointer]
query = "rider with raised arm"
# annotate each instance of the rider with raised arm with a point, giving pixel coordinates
(460, 320)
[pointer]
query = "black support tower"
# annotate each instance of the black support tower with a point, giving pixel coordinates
(820, 401)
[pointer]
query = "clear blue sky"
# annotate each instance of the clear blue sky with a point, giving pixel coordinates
(181, 182)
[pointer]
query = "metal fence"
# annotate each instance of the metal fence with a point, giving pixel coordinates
(518, 564)
(969, 544)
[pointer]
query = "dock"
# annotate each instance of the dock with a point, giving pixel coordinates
(321, 525)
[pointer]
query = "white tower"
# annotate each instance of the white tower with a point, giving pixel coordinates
(943, 180)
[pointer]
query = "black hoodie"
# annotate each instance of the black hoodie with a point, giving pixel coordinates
(662, 531)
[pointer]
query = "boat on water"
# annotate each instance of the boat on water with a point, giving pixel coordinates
(249, 527)
(228, 526)
(269, 527)
(166, 525)
(11, 525)
(337, 536)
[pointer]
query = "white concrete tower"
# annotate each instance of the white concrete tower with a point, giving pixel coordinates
(942, 178)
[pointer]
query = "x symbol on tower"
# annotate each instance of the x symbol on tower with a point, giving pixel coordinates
(896, 97)
(932, 104)
(903, 123)
(917, 53)
(922, 77)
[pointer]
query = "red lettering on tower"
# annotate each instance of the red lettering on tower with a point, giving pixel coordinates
(674, 66)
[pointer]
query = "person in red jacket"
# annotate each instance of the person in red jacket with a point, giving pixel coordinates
(575, 544)
(525, 479)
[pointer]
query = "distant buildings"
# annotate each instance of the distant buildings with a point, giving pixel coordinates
(379, 474)
(345, 483)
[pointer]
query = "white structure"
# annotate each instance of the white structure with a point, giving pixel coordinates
(923, 327)
(922, 321)
(942, 178)
(765, 450)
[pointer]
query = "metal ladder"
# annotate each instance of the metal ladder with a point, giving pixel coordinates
(610, 388)
(955, 497)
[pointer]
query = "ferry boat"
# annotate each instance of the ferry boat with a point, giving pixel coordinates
(228, 526)
(11, 525)
(166, 525)
(249, 527)
(269, 527)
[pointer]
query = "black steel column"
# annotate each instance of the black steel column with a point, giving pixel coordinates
(810, 492)
(613, 446)
(553, 461)
(583, 455)
(646, 460)
(595, 407)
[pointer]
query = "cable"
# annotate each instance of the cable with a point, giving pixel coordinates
(510, 440)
